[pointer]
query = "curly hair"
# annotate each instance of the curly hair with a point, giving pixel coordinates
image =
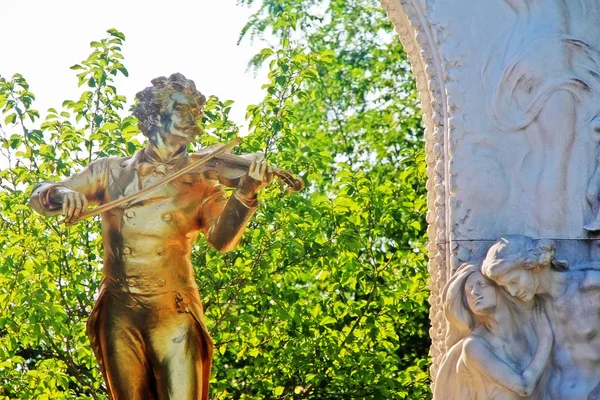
(522, 91)
(456, 309)
(153, 100)
(519, 251)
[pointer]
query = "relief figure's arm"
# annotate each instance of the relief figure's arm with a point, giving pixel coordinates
(591, 279)
(591, 283)
(595, 394)
(479, 356)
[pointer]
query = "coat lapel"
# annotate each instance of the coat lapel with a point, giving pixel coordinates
(126, 181)
(123, 177)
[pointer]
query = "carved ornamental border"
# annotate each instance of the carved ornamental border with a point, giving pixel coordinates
(421, 43)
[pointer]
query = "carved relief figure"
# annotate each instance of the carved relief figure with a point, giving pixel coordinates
(571, 299)
(548, 91)
(147, 328)
(545, 74)
(495, 352)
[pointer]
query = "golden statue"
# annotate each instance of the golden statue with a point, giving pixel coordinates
(147, 328)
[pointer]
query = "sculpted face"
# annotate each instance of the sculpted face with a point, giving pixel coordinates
(520, 283)
(481, 294)
(179, 123)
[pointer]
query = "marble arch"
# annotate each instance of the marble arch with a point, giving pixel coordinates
(419, 39)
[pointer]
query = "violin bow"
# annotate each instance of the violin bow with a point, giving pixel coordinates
(116, 203)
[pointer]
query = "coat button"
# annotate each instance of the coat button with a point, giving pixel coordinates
(160, 169)
(160, 251)
(126, 251)
(130, 213)
(161, 282)
(167, 217)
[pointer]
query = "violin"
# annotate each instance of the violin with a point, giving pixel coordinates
(229, 168)
(213, 162)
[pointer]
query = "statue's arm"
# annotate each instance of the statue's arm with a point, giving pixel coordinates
(224, 220)
(480, 357)
(46, 197)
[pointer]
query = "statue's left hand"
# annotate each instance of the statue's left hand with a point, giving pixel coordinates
(258, 177)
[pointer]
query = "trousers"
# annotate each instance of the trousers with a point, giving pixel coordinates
(152, 346)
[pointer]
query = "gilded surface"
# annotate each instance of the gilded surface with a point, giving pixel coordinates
(147, 328)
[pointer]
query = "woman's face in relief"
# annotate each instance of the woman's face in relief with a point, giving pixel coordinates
(481, 294)
(520, 283)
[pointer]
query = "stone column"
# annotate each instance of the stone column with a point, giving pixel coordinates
(510, 94)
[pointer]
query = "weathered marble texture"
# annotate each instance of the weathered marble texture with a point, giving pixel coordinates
(510, 91)
(521, 324)
(499, 347)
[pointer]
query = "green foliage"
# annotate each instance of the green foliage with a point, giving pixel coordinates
(325, 297)
(335, 305)
(49, 274)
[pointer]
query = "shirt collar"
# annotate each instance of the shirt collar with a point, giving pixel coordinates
(150, 156)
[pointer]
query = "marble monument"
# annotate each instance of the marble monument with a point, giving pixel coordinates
(510, 93)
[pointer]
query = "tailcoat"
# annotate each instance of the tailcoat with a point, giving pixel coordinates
(147, 328)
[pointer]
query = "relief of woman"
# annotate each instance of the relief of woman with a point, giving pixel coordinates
(491, 343)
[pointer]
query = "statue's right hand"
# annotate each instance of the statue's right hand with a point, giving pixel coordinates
(73, 203)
